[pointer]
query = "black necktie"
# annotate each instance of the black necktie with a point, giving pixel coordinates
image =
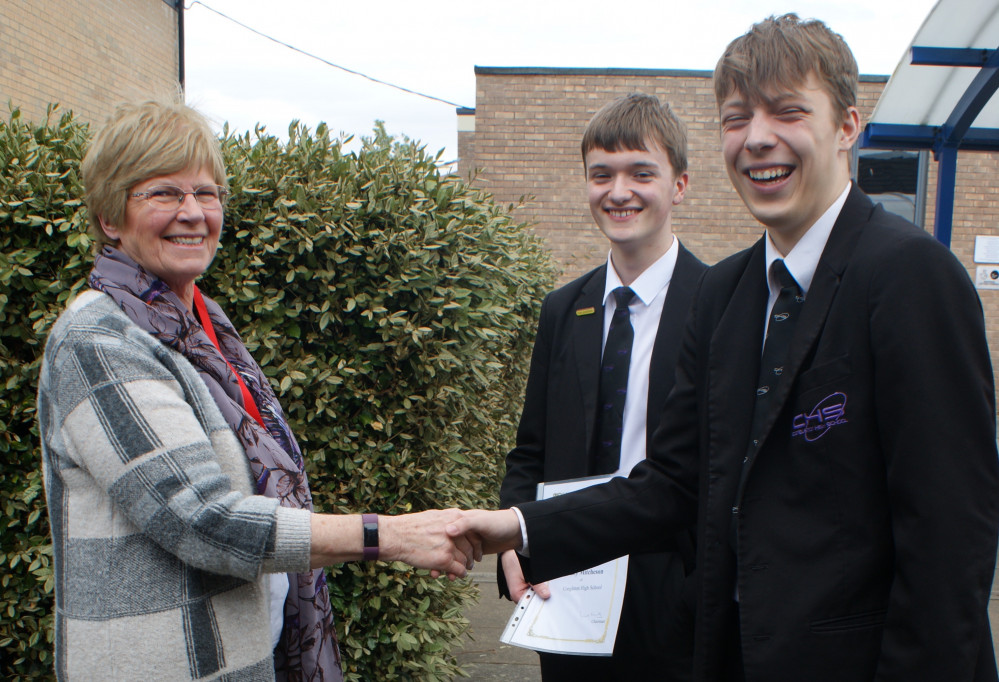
(785, 313)
(783, 317)
(614, 384)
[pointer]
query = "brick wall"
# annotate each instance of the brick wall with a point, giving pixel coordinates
(529, 122)
(87, 56)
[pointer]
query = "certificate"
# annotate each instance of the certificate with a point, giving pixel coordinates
(583, 612)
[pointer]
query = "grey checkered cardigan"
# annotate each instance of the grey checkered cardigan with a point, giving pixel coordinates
(160, 544)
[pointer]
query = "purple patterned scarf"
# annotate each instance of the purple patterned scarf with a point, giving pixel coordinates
(308, 648)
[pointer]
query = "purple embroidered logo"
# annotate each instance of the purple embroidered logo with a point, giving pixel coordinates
(829, 412)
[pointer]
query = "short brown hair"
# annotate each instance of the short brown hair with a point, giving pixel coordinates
(140, 141)
(631, 122)
(782, 51)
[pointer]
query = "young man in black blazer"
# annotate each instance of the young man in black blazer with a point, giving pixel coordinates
(847, 498)
(635, 162)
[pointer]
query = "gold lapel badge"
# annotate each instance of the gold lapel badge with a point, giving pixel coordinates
(585, 311)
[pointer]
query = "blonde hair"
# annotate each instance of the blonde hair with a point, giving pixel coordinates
(631, 122)
(781, 52)
(140, 141)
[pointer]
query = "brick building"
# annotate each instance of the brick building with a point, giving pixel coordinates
(522, 140)
(88, 56)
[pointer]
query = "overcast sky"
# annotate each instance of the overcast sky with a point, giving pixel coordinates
(433, 47)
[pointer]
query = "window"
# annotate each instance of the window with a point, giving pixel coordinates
(896, 179)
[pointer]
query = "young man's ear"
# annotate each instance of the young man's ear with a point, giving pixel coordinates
(682, 182)
(850, 129)
(112, 232)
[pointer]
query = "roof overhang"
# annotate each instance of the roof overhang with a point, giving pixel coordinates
(941, 92)
(940, 97)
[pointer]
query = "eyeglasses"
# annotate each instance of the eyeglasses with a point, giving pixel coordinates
(170, 196)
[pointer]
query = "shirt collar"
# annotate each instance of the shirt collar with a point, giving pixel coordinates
(653, 280)
(803, 259)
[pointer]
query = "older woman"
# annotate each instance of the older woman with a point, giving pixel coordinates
(185, 545)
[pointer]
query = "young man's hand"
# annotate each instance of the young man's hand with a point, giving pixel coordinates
(515, 582)
(487, 532)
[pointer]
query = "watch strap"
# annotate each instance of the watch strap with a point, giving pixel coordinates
(369, 523)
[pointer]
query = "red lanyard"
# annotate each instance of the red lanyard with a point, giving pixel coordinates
(206, 323)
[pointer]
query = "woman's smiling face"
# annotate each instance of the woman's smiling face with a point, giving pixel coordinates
(176, 243)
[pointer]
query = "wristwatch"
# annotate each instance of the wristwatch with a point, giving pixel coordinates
(370, 525)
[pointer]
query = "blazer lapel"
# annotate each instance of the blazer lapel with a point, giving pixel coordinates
(734, 365)
(586, 329)
(835, 257)
(662, 365)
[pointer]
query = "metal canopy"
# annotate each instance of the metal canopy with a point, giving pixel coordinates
(941, 95)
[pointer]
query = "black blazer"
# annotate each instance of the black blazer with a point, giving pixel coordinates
(865, 530)
(554, 442)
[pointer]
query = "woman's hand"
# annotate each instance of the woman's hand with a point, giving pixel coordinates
(420, 540)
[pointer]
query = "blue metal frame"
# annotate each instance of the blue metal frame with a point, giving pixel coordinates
(955, 134)
(948, 56)
(943, 220)
(901, 136)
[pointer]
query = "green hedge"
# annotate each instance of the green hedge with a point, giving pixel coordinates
(393, 310)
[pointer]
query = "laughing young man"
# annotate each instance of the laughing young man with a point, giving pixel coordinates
(832, 427)
(635, 161)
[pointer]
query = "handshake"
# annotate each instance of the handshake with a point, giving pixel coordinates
(448, 542)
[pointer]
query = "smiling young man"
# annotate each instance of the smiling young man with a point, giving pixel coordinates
(832, 426)
(635, 160)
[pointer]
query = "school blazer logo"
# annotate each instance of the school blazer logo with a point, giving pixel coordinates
(829, 412)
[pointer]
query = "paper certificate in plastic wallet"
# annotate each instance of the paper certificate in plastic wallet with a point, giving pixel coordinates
(583, 612)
